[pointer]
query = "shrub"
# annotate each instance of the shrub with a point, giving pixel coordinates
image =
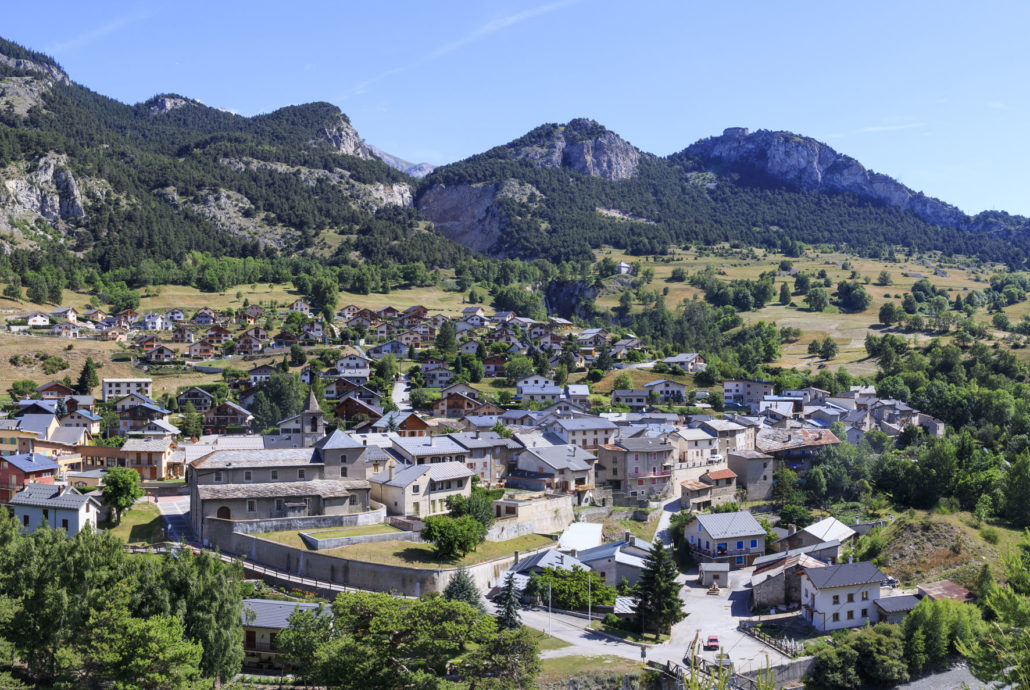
(990, 535)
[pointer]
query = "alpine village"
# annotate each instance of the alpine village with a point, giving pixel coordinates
(282, 410)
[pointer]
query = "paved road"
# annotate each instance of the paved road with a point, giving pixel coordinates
(175, 511)
(401, 394)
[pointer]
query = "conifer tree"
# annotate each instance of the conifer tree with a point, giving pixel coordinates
(508, 605)
(463, 588)
(88, 378)
(659, 605)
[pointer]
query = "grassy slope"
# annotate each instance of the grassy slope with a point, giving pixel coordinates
(849, 330)
(406, 553)
(142, 523)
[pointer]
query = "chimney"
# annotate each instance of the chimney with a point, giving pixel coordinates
(574, 553)
(391, 471)
(791, 529)
(628, 536)
(516, 558)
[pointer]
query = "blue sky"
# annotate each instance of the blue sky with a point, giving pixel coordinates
(932, 93)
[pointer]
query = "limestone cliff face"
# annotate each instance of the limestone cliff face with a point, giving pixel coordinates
(814, 166)
(342, 136)
(469, 213)
(43, 190)
(30, 66)
(583, 146)
(166, 102)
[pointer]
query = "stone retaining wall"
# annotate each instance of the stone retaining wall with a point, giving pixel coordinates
(336, 542)
(296, 524)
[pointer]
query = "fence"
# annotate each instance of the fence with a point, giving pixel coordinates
(784, 645)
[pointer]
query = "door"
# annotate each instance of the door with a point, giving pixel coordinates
(223, 513)
(251, 640)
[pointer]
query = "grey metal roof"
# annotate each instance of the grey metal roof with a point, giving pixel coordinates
(403, 475)
(844, 575)
(36, 423)
(68, 435)
(898, 604)
(551, 558)
(530, 389)
(729, 525)
(581, 423)
(49, 496)
(325, 488)
(428, 445)
(266, 613)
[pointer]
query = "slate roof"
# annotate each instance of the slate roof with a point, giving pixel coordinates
(763, 560)
(68, 435)
(845, 575)
(31, 462)
(485, 439)
(428, 445)
(404, 475)
(583, 423)
(37, 424)
(643, 444)
(529, 389)
(563, 457)
(774, 440)
(49, 496)
(729, 525)
(217, 459)
(338, 441)
(148, 445)
(326, 488)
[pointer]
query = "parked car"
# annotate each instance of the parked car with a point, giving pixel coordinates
(712, 642)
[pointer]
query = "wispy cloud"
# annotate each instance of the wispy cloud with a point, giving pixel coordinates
(890, 128)
(477, 34)
(93, 35)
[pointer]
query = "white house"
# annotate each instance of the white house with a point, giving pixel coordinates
(60, 507)
(841, 596)
(119, 388)
(667, 390)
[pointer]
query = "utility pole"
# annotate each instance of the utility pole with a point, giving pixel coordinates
(548, 608)
(589, 618)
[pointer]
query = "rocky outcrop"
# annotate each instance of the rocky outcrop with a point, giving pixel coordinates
(47, 190)
(470, 213)
(233, 213)
(581, 145)
(342, 136)
(811, 165)
(569, 298)
(51, 71)
(166, 103)
(367, 197)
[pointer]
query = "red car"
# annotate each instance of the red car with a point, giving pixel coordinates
(712, 642)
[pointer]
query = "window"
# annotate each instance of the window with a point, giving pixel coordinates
(251, 506)
(836, 599)
(275, 475)
(353, 500)
(414, 488)
(25, 520)
(851, 615)
(64, 525)
(851, 598)
(836, 617)
(343, 471)
(218, 475)
(278, 504)
(865, 596)
(300, 474)
(865, 613)
(247, 476)
(754, 543)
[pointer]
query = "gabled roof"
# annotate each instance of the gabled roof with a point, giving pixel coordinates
(830, 529)
(338, 441)
(773, 557)
(844, 575)
(31, 462)
(898, 604)
(275, 615)
(582, 423)
(50, 496)
(552, 558)
(728, 525)
(563, 457)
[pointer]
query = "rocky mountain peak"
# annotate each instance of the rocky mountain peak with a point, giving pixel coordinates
(811, 165)
(166, 102)
(581, 145)
(342, 136)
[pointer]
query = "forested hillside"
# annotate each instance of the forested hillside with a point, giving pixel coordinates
(564, 211)
(154, 181)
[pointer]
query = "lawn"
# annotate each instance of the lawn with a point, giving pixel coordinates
(631, 636)
(545, 641)
(406, 553)
(292, 538)
(639, 528)
(141, 524)
(590, 671)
